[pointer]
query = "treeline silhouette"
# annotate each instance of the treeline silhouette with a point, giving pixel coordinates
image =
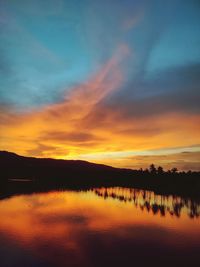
(150, 202)
(47, 174)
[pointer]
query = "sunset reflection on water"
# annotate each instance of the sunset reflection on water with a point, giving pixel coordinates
(98, 227)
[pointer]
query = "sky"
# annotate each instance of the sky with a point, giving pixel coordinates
(114, 82)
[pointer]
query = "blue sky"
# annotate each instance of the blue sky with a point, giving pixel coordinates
(47, 47)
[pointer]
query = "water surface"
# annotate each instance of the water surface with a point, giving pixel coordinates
(99, 227)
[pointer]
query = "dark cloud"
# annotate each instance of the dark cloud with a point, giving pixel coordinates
(42, 150)
(141, 130)
(174, 90)
(71, 136)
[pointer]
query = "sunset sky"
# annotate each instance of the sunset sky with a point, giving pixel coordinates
(114, 82)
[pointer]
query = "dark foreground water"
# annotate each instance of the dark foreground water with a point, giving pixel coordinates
(99, 227)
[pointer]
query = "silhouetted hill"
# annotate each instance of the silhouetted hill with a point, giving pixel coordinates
(48, 174)
(15, 166)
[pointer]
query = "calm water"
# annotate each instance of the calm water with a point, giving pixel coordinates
(99, 227)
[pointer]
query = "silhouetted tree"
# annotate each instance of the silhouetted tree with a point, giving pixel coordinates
(160, 170)
(152, 169)
(146, 171)
(174, 170)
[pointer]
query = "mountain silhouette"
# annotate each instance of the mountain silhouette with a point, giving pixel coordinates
(15, 166)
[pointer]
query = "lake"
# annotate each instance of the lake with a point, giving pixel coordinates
(99, 227)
